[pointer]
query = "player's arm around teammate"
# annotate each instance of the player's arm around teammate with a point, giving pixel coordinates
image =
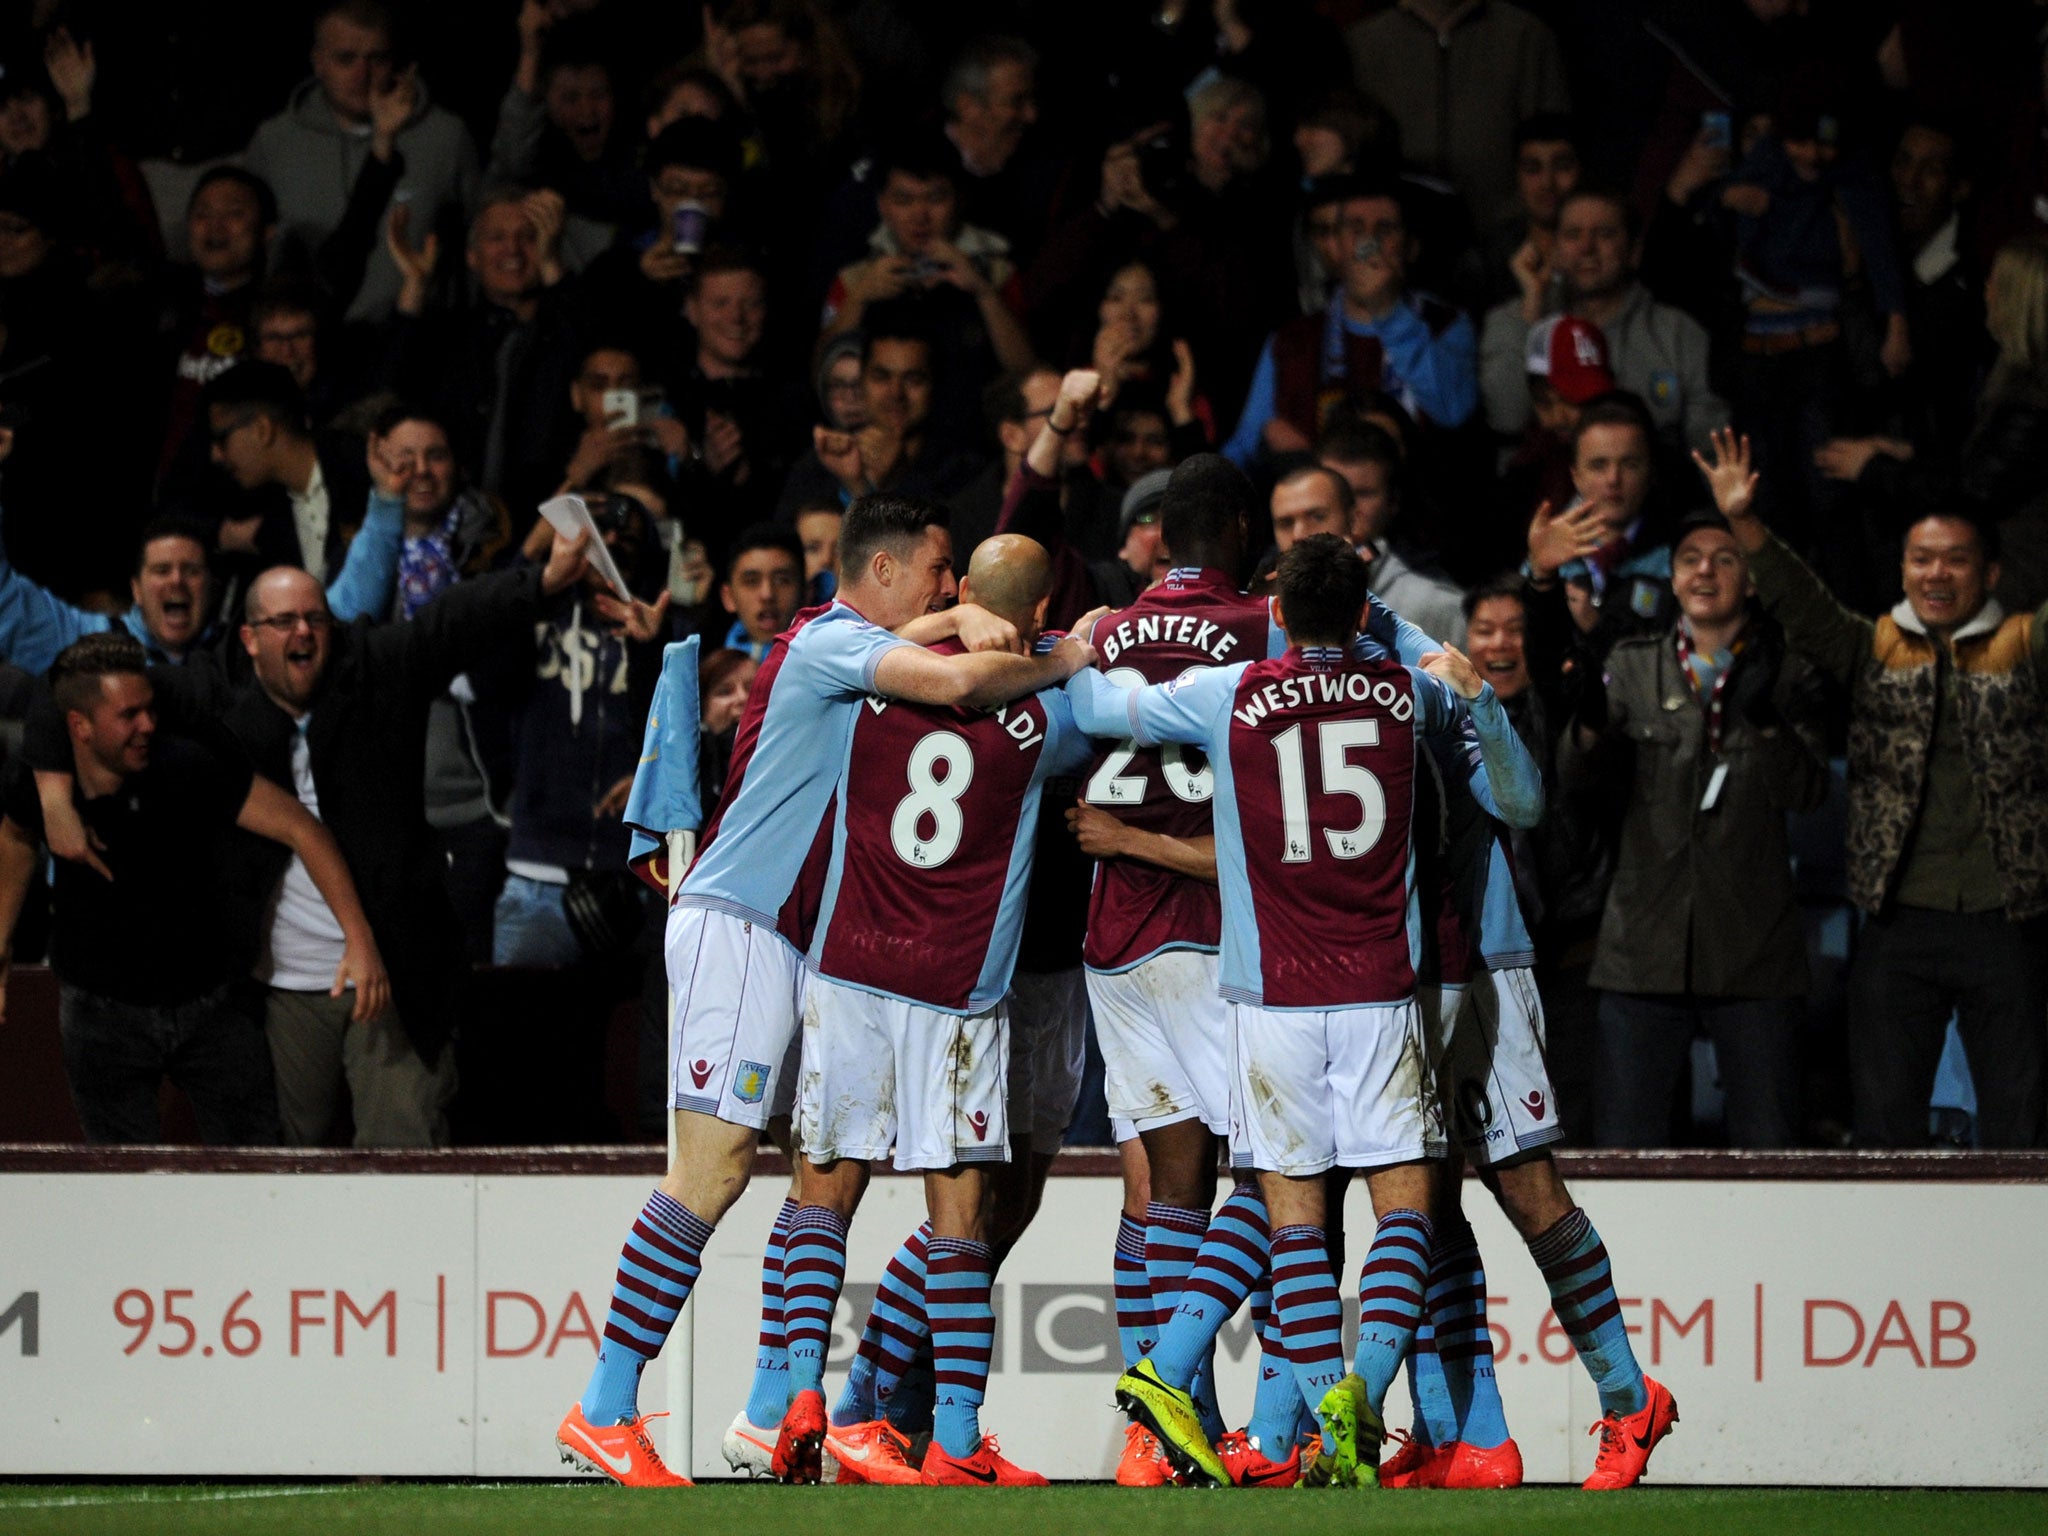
(980, 680)
(1103, 836)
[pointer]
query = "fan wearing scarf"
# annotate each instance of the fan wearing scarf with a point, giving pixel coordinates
(1709, 733)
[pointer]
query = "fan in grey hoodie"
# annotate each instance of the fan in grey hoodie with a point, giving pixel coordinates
(313, 151)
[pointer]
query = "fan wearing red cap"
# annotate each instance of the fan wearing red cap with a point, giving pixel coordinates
(1567, 366)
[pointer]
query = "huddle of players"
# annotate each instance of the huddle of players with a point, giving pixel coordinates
(843, 948)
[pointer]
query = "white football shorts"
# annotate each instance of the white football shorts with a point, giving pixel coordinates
(1342, 1087)
(879, 1072)
(1486, 1056)
(1165, 1038)
(1048, 1053)
(737, 988)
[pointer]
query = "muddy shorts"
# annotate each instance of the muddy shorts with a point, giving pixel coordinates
(879, 1072)
(1346, 1087)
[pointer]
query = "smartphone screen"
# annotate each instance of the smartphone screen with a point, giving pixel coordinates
(621, 407)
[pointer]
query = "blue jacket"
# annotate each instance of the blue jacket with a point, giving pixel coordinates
(35, 623)
(1434, 373)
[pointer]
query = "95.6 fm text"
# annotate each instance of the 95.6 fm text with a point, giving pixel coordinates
(177, 1322)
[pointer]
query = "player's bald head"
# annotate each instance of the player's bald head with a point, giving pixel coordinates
(1010, 576)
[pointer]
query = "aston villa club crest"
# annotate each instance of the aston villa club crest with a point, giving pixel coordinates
(749, 1082)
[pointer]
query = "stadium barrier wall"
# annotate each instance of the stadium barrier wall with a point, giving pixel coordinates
(1822, 1319)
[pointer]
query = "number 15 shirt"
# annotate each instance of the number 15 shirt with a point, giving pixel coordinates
(1314, 754)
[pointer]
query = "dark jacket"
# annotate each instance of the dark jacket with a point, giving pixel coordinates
(1702, 900)
(465, 361)
(366, 735)
(577, 706)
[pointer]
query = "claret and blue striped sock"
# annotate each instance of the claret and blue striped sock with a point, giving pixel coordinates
(1436, 1423)
(957, 1277)
(769, 1398)
(1173, 1236)
(663, 1254)
(1135, 1329)
(813, 1270)
(1228, 1266)
(1456, 1315)
(1390, 1290)
(1311, 1317)
(889, 1340)
(1276, 1400)
(1574, 1265)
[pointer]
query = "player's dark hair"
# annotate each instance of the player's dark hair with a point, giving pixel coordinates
(765, 536)
(1616, 408)
(1206, 508)
(1507, 584)
(172, 525)
(1323, 589)
(258, 389)
(872, 523)
(75, 674)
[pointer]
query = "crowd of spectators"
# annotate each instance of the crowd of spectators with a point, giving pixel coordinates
(1686, 360)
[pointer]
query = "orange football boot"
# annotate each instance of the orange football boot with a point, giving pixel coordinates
(1472, 1466)
(621, 1452)
(874, 1452)
(1626, 1441)
(1250, 1467)
(1415, 1465)
(799, 1446)
(1143, 1464)
(986, 1468)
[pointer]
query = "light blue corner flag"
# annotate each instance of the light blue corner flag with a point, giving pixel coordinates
(665, 797)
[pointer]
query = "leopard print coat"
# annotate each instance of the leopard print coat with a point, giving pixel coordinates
(2005, 736)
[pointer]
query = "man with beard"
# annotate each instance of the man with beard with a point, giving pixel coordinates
(148, 984)
(340, 714)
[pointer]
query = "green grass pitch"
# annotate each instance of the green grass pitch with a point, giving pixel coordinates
(542, 1509)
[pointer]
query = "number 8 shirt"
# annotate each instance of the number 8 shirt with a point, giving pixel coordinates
(905, 1038)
